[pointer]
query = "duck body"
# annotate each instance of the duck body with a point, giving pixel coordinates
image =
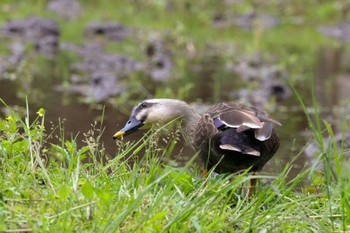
(230, 137)
(230, 161)
(241, 137)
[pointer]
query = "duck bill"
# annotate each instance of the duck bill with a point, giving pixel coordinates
(131, 126)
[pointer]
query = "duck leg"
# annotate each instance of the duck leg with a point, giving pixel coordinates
(204, 174)
(252, 185)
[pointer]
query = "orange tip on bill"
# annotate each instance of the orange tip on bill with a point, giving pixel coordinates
(118, 135)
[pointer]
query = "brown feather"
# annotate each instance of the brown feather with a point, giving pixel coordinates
(250, 144)
(236, 118)
(265, 132)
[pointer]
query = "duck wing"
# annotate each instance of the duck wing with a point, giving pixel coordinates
(242, 118)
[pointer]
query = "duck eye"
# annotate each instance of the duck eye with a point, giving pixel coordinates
(143, 105)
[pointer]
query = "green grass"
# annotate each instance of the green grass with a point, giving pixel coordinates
(48, 188)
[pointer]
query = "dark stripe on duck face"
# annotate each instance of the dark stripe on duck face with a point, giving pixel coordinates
(140, 111)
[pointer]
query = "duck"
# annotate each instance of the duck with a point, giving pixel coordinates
(230, 137)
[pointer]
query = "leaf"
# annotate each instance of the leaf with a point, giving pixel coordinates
(87, 190)
(71, 147)
(104, 196)
(59, 152)
(158, 216)
(83, 150)
(64, 191)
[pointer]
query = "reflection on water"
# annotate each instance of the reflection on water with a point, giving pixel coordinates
(332, 84)
(332, 88)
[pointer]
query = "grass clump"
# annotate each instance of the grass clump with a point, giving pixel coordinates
(48, 188)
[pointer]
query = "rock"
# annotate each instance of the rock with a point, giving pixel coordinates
(109, 30)
(103, 85)
(48, 46)
(42, 33)
(247, 21)
(159, 63)
(160, 67)
(31, 29)
(267, 91)
(67, 9)
(100, 73)
(250, 70)
(341, 32)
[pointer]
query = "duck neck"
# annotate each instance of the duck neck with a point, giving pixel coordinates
(180, 109)
(190, 120)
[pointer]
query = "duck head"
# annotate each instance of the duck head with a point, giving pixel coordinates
(150, 112)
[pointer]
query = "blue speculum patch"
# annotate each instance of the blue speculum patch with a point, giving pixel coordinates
(218, 123)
